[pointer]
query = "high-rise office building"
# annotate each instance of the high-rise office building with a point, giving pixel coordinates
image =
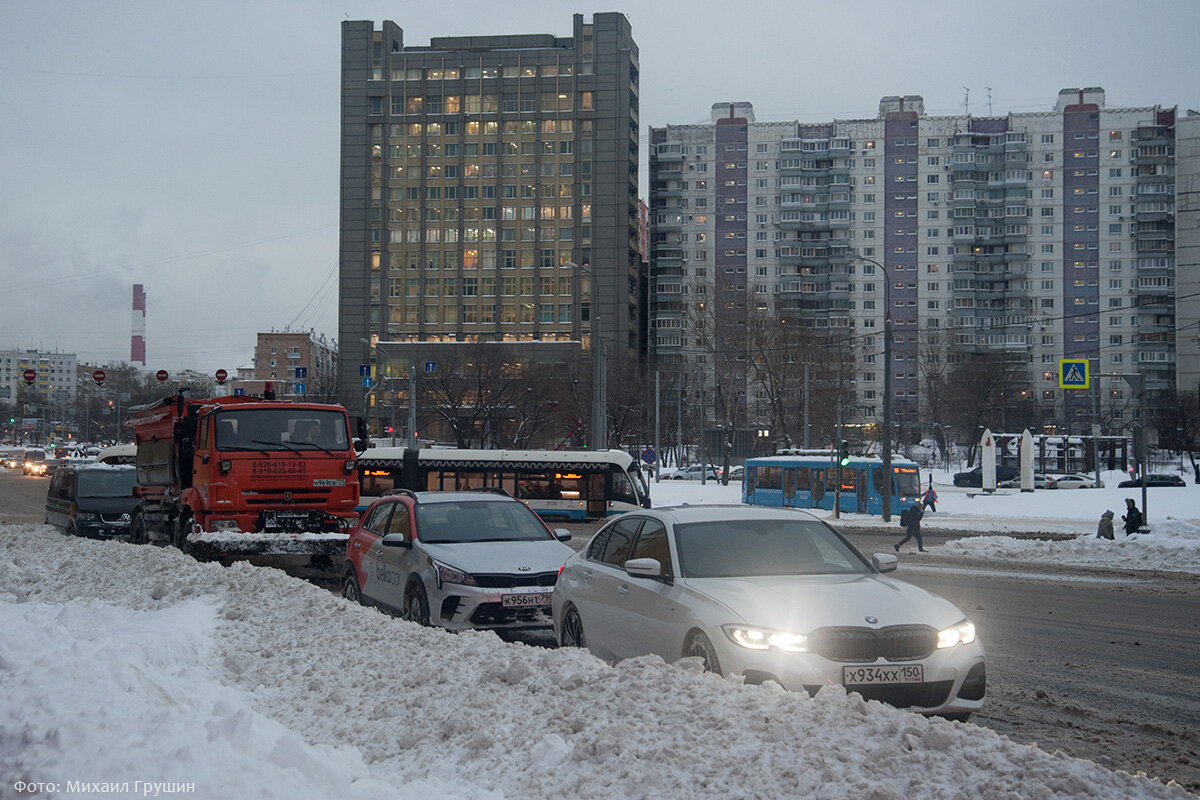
(1023, 237)
(489, 190)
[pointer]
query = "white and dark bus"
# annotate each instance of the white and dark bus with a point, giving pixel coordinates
(575, 484)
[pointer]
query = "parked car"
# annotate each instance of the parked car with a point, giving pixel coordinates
(92, 500)
(13, 459)
(770, 594)
(1077, 482)
(1154, 481)
(736, 473)
(1040, 481)
(974, 477)
(693, 472)
(455, 559)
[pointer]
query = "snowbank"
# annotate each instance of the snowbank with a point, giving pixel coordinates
(124, 663)
(1172, 545)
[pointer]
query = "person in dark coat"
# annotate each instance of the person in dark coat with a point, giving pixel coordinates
(929, 499)
(1105, 529)
(911, 519)
(1132, 517)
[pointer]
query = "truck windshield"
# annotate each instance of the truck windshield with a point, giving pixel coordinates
(281, 429)
(107, 482)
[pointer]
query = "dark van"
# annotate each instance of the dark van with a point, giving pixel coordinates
(92, 499)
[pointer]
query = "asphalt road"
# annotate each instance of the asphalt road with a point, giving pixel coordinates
(1099, 664)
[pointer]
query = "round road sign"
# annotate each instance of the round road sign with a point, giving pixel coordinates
(221, 376)
(29, 375)
(648, 456)
(161, 375)
(98, 376)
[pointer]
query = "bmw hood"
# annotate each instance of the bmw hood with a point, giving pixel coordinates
(800, 604)
(501, 557)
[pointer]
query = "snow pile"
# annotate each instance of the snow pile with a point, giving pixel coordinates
(124, 663)
(1171, 545)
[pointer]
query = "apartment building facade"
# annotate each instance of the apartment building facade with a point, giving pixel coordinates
(278, 355)
(55, 382)
(1028, 236)
(489, 190)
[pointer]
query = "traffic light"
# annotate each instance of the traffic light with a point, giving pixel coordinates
(844, 453)
(388, 430)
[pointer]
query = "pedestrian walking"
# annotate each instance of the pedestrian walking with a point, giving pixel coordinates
(929, 499)
(910, 520)
(1132, 517)
(1105, 529)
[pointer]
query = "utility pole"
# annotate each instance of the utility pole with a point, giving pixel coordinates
(599, 401)
(657, 452)
(679, 421)
(412, 406)
(1096, 426)
(805, 406)
(703, 456)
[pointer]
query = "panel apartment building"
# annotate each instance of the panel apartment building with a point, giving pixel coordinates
(489, 190)
(1037, 236)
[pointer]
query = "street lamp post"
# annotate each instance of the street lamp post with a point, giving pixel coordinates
(885, 428)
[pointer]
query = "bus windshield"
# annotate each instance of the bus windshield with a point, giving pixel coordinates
(908, 481)
(293, 429)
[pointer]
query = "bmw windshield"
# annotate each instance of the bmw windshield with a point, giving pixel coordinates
(743, 548)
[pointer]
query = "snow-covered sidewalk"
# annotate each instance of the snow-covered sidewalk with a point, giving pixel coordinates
(122, 663)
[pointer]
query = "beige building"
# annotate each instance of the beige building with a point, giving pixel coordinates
(278, 356)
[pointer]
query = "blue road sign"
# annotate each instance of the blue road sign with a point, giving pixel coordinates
(1073, 373)
(431, 366)
(299, 388)
(366, 383)
(649, 455)
(364, 370)
(239, 390)
(301, 374)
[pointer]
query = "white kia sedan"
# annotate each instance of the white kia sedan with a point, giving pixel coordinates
(773, 595)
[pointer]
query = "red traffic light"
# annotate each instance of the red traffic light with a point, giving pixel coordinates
(389, 429)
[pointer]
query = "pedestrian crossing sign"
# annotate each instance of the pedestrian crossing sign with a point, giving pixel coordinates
(1073, 373)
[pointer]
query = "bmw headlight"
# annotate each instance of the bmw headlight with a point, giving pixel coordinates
(962, 633)
(448, 574)
(753, 638)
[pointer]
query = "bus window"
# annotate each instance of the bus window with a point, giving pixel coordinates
(750, 482)
(908, 481)
(789, 483)
(622, 489)
(877, 479)
(804, 479)
(849, 478)
(771, 478)
(375, 482)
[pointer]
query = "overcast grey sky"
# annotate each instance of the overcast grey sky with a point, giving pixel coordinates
(193, 147)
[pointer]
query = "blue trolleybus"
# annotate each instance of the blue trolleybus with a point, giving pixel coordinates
(554, 483)
(811, 481)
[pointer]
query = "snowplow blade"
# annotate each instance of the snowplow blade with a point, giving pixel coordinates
(224, 545)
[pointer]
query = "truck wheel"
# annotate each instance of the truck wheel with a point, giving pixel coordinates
(183, 527)
(137, 529)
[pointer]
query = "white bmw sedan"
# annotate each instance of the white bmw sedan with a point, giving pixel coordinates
(770, 594)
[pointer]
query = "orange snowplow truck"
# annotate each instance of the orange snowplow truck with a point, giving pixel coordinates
(244, 475)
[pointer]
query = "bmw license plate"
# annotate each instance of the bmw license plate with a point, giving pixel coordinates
(525, 600)
(892, 673)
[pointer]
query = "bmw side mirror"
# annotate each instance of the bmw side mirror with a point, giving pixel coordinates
(562, 534)
(885, 562)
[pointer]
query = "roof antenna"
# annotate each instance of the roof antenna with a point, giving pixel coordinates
(966, 101)
(989, 91)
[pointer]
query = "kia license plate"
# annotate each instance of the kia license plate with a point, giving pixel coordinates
(525, 600)
(892, 673)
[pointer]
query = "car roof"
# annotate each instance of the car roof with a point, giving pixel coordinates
(713, 512)
(453, 497)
